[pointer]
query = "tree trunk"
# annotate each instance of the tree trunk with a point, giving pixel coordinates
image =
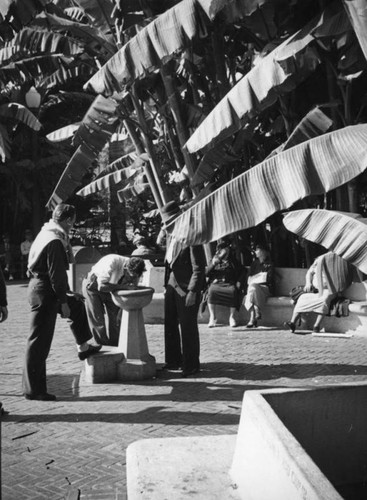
(182, 130)
(152, 170)
(219, 60)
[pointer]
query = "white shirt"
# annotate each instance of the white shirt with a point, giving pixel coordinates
(110, 269)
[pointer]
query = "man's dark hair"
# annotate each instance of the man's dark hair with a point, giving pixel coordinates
(63, 211)
(136, 265)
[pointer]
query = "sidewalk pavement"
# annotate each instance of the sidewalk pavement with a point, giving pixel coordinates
(74, 448)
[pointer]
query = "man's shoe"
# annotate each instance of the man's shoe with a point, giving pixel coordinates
(171, 366)
(41, 397)
(188, 373)
(92, 349)
(290, 325)
(252, 324)
(316, 329)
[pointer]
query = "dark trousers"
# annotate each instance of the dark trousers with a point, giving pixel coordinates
(44, 309)
(181, 332)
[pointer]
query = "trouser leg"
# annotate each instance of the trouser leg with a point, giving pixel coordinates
(96, 315)
(189, 334)
(112, 311)
(42, 327)
(78, 320)
(172, 341)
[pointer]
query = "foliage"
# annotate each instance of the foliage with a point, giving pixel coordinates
(240, 76)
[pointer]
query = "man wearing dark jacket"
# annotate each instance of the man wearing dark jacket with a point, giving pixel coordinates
(184, 280)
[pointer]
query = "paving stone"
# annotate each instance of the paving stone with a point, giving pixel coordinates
(85, 433)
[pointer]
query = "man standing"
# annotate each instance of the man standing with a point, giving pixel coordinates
(112, 272)
(48, 290)
(184, 280)
(3, 301)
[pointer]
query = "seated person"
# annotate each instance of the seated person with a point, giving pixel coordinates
(260, 284)
(329, 275)
(226, 277)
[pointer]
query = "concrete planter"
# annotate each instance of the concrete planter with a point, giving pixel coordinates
(302, 444)
(291, 445)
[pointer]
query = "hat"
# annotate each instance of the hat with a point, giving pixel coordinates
(170, 211)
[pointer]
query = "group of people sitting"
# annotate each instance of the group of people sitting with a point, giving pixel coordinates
(227, 285)
(230, 285)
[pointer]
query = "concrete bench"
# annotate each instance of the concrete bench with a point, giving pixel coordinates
(278, 308)
(267, 459)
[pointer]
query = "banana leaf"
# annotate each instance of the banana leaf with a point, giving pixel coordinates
(169, 33)
(31, 41)
(357, 11)
(315, 123)
(20, 113)
(98, 124)
(100, 13)
(278, 73)
(72, 176)
(88, 34)
(109, 180)
(65, 76)
(128, 169)
(130, 192)
(64, 133)
(313, 167)
(343, 233)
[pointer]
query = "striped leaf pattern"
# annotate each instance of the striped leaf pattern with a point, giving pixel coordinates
(109, 180)
(313, 167)
(345, 234)
(278, 73)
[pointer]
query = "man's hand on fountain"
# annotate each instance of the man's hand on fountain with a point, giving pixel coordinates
(127, 286)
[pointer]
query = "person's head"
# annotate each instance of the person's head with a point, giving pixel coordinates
(28, 234)
(135, 267)
(262, 252)
(223, 247)
(64, 215)
(6, 237)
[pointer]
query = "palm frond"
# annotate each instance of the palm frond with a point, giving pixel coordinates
(277, 73)
(20, 113)
(343, 233)
(313, 167)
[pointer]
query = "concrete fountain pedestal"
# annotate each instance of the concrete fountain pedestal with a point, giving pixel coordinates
(131, 359)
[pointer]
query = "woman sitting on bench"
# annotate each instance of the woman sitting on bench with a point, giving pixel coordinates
(260, 284)
(329, 275)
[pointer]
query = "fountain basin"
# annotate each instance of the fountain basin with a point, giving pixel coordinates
(134, 298)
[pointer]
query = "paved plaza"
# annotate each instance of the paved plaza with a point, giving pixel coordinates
(74, 448)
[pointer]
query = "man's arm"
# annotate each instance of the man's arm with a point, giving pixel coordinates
(56, 265)
(197, 280)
